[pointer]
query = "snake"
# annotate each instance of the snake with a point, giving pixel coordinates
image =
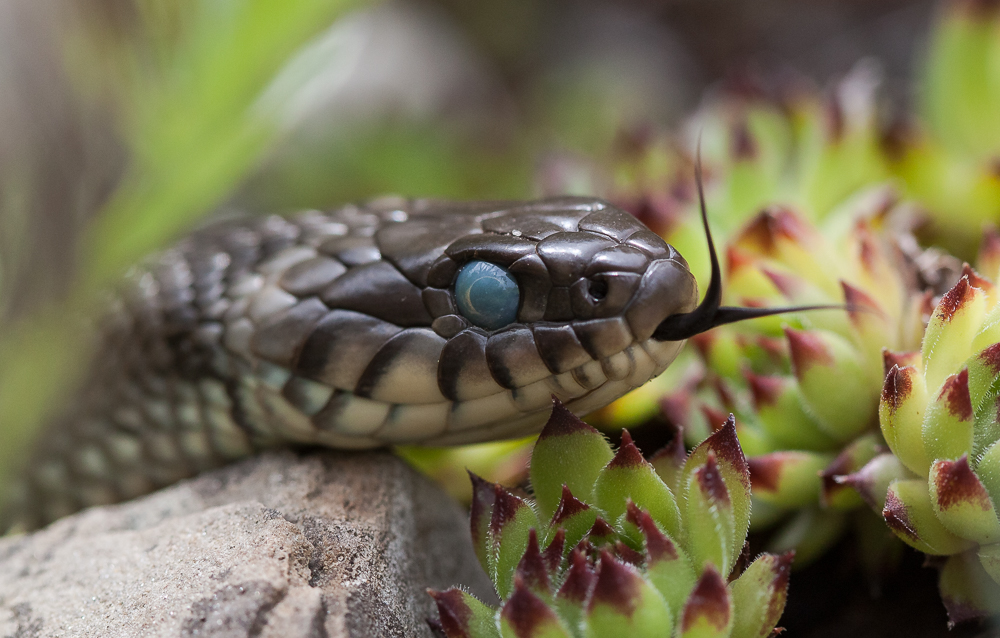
(396, 321)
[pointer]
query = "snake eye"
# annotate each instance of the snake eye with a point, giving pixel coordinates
(487, 295)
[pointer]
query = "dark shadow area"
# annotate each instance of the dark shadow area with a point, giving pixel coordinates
(830, 599)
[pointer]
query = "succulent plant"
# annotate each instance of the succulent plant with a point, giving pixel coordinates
(939, 488)
(612, 544)
(806, 388)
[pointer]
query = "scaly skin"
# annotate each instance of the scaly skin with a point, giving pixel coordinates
(341, 329)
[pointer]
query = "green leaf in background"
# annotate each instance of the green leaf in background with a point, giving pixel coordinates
(195, 121)
(962, 79)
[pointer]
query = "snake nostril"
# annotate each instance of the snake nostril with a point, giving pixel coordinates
(597, 290)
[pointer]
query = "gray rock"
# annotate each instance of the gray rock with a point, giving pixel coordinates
(281, 545)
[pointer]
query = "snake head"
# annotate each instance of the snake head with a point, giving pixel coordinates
(554, 297)
(417, 321)
(576, 261)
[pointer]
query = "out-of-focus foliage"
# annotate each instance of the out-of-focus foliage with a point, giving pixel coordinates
(947, 156)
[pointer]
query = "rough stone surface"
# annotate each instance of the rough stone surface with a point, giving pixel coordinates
(282, 545)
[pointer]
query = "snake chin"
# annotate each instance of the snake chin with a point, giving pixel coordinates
(583, 390)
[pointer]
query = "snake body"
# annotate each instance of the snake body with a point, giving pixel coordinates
(341, 329)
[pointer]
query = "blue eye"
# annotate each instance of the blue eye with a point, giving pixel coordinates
(487, 295)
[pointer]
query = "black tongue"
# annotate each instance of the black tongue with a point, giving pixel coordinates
(710, 313)
(689, 324)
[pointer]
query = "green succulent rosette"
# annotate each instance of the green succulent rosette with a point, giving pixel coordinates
(939, 413)
(612, 544)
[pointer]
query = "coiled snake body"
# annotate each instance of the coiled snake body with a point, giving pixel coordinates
(347, 329)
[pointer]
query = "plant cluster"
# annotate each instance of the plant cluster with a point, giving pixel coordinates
(937, 490)
(612, 543)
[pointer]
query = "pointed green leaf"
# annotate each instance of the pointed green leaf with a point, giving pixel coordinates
(669, 461)
(948, 338)
(985, 343)
(779, 406)
(510, 528)
(629, 476)
(788, 479)
(873, 327)
(708, 612)
(532, 569)
(601, 533)
(573, 516)
(834, 383)
(984, 370)
(966, 589)
(734, 471)
(481, 511)
(988, 470)
(948, 419)
(901, 416)
(872, 481)
(667, 566)
(568, 452)
(708, 518)
(854, 457)
(624, 603)
(525, 615)
(759, 595)
(576, 589)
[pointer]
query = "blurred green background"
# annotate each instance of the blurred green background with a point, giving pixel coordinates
(125, 122)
